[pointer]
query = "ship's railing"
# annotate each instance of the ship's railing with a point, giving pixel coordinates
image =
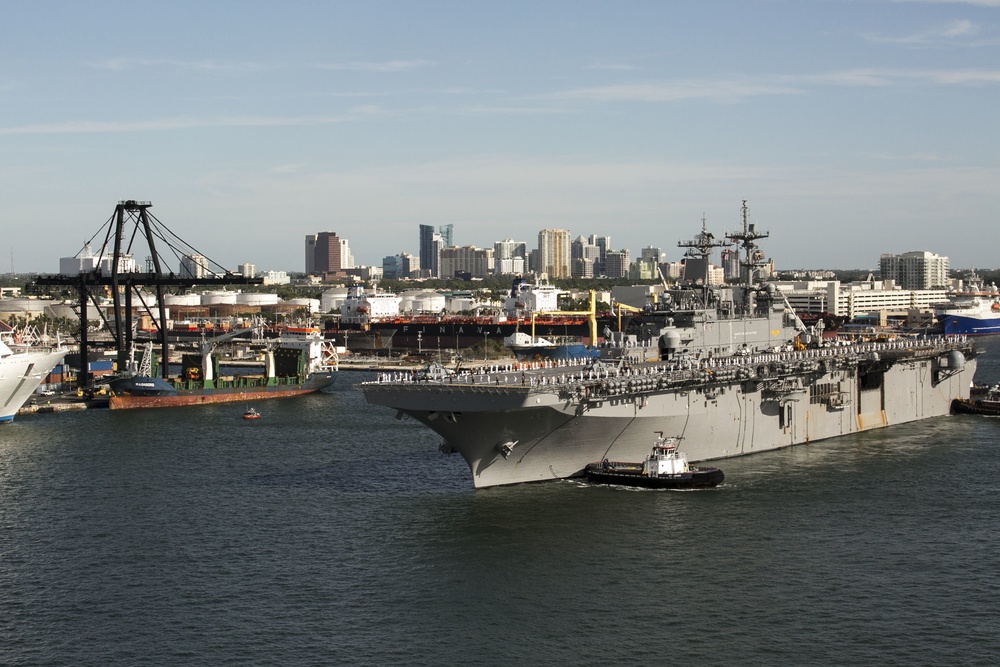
(582, 377)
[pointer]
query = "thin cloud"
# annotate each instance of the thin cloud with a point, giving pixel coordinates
(114, 127)
(733, 91)
(721, 91)
(123, 64)
(911, 157)
(387, 66)
(874, 77)
(611, 66)
(957, 33)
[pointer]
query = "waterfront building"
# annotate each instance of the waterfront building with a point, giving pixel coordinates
(917, 270)
(851, 300)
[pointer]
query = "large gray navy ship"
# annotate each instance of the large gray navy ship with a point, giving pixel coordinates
(729, 370)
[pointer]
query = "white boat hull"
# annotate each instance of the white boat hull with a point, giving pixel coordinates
(20, 375)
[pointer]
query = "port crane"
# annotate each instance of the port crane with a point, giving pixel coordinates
(116, 273)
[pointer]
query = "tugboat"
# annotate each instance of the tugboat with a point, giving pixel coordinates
(664, 468)
(979, 404)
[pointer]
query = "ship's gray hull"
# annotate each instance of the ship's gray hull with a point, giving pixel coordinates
(511, 433)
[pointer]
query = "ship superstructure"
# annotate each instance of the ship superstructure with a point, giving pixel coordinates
(728, 369)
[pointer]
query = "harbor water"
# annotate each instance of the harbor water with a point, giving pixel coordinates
(330, 533)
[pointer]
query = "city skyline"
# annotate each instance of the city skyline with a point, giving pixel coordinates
(852, 128)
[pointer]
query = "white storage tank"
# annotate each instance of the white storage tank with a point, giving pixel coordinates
(332, 299)
(56, 309)
(422, 301)
(182, 299)
(254, 299)
(219, 298)
(459, 304)
(22, 307)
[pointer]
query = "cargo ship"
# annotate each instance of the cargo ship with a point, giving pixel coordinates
(730, 369)
(292, 366)
(974, 312)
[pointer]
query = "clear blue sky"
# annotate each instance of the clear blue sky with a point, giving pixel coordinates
(852, 127)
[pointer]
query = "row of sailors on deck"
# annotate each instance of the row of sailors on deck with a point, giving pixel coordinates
(497, 373)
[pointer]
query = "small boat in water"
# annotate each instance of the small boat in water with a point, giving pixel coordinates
(664, 468)
(251, 414)
(987, 403)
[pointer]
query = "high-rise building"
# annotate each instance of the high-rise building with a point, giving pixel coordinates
(513, 266)
(346, 258)
(430, 249)
(310, 254)
(194, 266)
(391, 269)
(616, 263)
(327, 258)
(554, 253)
(509, 257)
(247, 270)
(651, 254)
(447, 233)
(673, 270)
(468, 259)
(918, 270)
(604, 245)
(426, 247)
(643, 268)
(409, 265)
(731, 263)
(509, 249)
(585, 257)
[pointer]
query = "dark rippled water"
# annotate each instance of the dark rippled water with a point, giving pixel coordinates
(328, 533)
